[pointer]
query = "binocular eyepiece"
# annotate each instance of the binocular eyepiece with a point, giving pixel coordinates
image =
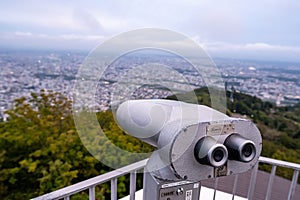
(240, 148)
(208, 151)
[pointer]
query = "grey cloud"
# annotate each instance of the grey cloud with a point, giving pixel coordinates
(87, 20)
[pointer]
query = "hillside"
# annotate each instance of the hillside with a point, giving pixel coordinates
(39, 143)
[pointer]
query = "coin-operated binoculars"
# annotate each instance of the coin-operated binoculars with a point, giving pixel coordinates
(194, 142)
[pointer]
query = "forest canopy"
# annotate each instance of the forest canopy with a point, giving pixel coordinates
(40, 150)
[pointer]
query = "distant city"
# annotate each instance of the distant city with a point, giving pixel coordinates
(22, 73)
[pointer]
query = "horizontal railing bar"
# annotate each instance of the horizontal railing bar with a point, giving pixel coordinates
(78, 187)
(279, 163)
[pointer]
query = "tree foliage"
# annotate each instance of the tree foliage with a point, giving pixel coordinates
(40, 150)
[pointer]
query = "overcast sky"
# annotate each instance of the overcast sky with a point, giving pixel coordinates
(256, 29)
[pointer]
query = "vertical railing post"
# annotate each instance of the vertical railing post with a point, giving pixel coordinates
(252, 182)
(270, 184)
(234, 185)
(113, 189)
(293, 184)
(132, 185)
(92, 193)
(215, 187)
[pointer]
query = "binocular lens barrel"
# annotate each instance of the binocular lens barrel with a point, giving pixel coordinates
(240, 148)
(208, 151)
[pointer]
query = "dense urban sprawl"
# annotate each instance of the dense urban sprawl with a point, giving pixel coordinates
(140, 76)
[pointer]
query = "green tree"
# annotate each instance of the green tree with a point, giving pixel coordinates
(40, 149)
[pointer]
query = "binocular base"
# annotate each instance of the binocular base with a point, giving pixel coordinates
(156, 189)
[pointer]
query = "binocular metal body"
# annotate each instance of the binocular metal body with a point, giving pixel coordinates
(194, 142)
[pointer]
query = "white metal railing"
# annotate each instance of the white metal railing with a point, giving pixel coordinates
(90, 184)
(275, 163)
(112, 176)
